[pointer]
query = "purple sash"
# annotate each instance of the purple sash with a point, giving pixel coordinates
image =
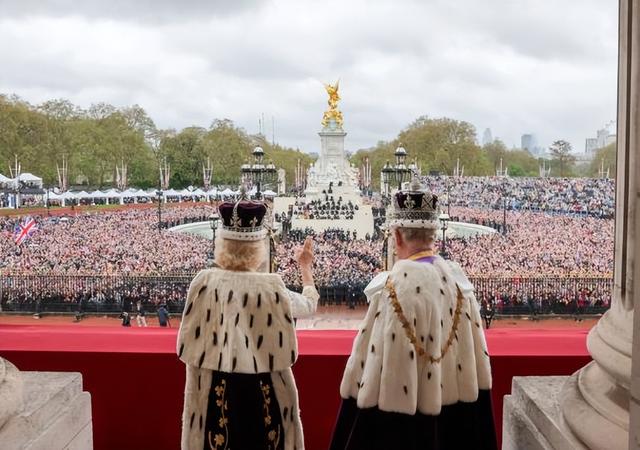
(426, 259)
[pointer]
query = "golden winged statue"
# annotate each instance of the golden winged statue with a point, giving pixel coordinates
(332, 112)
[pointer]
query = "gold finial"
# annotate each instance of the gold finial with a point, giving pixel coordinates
(332, 112)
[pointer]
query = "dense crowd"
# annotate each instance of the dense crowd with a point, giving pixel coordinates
(342, 262)
(106, 243)
(535, 244)
(324, 209)
(589, 196)
(90, 293)
(557, 244)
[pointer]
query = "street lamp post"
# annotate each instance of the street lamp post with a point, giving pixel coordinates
(387, 175)
(444, 219)
(258, 172)
(159, 194)
(504, 215)
(397, 174)
(448, 196)
(504, 208)
(213, 222)
(48, 204)
(402, 172)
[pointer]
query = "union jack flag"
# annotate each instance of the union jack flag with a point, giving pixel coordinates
(23, 230)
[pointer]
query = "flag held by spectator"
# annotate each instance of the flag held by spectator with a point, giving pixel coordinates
(23, 230)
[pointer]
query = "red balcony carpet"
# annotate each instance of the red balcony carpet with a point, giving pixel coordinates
(136, 380)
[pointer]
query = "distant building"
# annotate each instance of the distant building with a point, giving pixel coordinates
(603, 138)
(528, 142)
(487, 137)
(590, 147)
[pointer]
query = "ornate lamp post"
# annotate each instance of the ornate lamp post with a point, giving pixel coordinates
(444, 219)
(397, 174)
(505, 193)
(48, 203)
(213, 222)
(159, 195)
(258, 172)
(387, 176)
(402, 172)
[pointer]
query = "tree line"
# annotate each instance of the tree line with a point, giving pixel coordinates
(97, 140)
(437, 144)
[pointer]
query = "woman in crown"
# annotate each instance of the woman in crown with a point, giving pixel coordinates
(419, 375)
(237, 339)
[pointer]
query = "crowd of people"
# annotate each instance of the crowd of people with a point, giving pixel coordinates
(344, 264)
(553, 229)
(122, 242)
(92, 293)
(535, 244)
(324, 209)
(589, 196)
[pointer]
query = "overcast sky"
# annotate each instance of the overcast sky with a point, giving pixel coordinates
(539, 66)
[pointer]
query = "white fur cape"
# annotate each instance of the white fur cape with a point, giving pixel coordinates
(237, 322)
(384, 370)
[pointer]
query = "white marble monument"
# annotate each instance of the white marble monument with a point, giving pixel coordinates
(332, 176)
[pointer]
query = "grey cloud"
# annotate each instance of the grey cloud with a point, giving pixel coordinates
(517, 66)
(152, 11)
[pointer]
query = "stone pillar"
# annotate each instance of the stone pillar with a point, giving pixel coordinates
(10, 391)
(595, 402)
(43, 410)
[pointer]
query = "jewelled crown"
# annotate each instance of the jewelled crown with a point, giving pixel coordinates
(414, 208)
(242, 220)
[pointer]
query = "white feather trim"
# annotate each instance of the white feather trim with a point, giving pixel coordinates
(237, 322)
(384, 369)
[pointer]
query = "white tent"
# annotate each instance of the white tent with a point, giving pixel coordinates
(83, 194)
(171, 193)
(269, 193)
(113, 193)
(4, 179)
(53, 196)
(31, 179)
(227, 193)
(98, 194)
(198, 192)
(185, 193)
(129, 193)
(68, 196)
(26, 176)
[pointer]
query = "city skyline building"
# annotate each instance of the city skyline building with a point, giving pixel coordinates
(603, 138)
(487, 137)
(529, 142)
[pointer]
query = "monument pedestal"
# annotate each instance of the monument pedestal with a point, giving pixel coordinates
(56, 414)
(532, 415)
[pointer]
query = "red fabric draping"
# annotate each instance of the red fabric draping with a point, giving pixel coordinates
(136, 380)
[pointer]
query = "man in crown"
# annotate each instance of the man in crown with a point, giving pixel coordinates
(419, 375)
(237, 339)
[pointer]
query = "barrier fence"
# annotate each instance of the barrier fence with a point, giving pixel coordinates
(115, 293)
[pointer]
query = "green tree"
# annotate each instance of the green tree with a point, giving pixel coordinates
(435, 144)
(562, 157)
(605, 158)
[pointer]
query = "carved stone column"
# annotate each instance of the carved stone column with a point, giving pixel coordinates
(595, 402)
(10, 391)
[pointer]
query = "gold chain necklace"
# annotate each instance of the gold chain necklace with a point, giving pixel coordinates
(411, 334)
(422, 254)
